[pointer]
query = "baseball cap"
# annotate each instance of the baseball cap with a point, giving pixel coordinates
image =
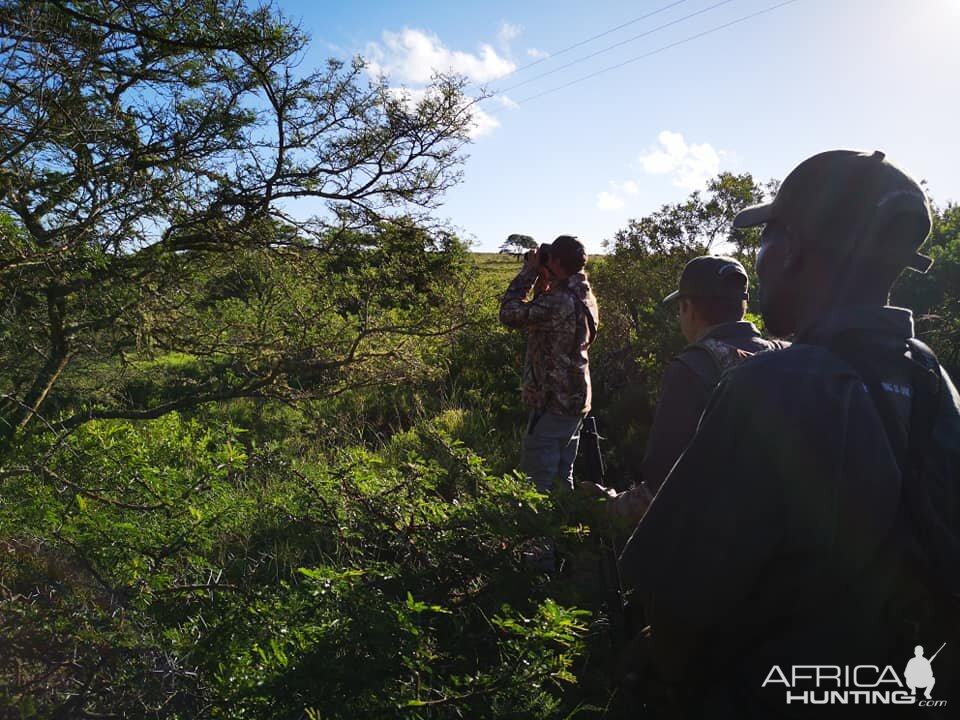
(712, 276)
(839, 198)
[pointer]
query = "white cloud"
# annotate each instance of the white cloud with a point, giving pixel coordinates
(507, 102)
(609, 201)
(508, 33)
(411, 97)
(690, 166)
(413, 56)
(537, 54)
(483, 123)
(613, 199)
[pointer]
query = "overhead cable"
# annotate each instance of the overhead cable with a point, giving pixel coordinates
(658, 50)
(616, 45)
(591, 39)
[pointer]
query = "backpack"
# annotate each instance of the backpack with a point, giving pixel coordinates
(925, 541)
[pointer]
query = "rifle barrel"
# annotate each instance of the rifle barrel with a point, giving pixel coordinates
(938, 652)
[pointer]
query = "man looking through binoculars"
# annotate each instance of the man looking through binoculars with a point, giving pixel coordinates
(561, 322)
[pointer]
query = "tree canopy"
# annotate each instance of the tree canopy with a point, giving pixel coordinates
(144, 140)
(516, 244)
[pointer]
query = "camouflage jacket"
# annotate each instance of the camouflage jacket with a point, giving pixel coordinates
(561, 324)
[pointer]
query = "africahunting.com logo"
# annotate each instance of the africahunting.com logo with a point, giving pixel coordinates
(859, 684)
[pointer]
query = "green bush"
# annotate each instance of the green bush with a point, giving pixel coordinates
(192, 574)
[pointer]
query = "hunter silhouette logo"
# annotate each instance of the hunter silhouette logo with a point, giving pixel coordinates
(858, 684)
(919, 672)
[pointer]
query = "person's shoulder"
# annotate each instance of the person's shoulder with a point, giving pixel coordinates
(786, 365)
(696, 360)
(580, 285)
(689, 363)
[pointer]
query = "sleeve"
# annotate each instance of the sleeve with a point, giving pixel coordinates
(515, 311)
(682, 400)
(707, 535)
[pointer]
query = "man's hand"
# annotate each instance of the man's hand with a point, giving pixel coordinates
(615, 511)
(629, 507)
(593, 491)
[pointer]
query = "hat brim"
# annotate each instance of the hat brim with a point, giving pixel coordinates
(753, 215)
(672, 296)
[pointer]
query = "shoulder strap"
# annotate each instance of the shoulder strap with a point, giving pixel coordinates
(928, 387)
(591, 323)
(723, 356)
(924, 372)
(581, 307)
(849, 348)
(707, 372)
(929, 503)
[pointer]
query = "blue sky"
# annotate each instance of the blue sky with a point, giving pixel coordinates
(758, 96)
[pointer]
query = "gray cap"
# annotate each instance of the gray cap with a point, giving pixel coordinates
(712, 276)
(836, 199)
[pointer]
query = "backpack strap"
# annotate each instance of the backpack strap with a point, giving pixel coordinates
(932, 500)
(923, 369)
(723, 356)
(581, 307)
(850, 348)
(923, 526)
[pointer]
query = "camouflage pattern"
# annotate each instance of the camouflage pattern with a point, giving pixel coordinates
(723, 347)
(726, 355)
(556, 373)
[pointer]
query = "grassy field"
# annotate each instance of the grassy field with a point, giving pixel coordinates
(497, 269)
(501, 268)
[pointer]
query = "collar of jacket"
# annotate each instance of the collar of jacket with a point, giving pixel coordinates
(735, 329)
(883, 319)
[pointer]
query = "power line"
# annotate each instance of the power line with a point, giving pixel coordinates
(591, 39)
(658, 50)
(616, 45)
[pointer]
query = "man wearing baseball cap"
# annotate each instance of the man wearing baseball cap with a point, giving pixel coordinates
(821, 487)
(711, 303)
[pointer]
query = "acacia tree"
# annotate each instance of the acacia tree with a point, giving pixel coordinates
(141, 140)
(517, 245)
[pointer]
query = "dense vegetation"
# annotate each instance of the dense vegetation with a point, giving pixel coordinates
(253, 466)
